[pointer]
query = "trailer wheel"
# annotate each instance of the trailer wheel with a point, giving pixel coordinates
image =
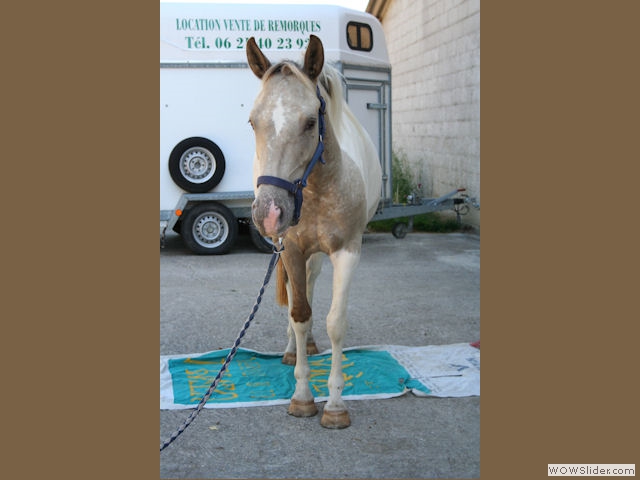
(196, 164)
(209, 229)
(399, 230)
(263, 244)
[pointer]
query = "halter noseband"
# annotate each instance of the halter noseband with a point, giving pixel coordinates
(296, 186)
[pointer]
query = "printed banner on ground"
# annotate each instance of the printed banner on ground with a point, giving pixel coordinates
(385, 371)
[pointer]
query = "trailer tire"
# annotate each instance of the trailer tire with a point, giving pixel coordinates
(263, 244)
(196, 164)
(209, 229)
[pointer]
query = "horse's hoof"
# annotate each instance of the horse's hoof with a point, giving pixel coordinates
(312, 349)
(298, 408)
(338, 419)
(289, 358)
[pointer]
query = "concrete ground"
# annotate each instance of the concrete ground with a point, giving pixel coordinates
(421, 290)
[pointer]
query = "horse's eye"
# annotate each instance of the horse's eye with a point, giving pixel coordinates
(310, 124)
(251, 123)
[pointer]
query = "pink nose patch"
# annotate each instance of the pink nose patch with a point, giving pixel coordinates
(270, 222)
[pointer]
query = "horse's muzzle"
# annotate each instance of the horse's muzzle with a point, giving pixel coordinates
(272, 211)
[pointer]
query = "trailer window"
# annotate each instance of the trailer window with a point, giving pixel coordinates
(359, 36)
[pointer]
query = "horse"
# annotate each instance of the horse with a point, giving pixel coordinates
(317, 183)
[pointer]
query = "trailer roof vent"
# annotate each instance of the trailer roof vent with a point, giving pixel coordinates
(359, 36)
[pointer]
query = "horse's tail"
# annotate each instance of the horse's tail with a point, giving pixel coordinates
(281, 284)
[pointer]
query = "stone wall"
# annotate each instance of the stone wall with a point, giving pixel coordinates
(434, 46)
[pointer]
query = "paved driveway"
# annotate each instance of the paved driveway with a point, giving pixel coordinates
(421, 290)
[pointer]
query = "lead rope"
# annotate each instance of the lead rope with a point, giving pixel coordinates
(272, 263)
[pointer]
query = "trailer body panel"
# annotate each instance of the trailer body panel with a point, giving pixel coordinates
(207, 90)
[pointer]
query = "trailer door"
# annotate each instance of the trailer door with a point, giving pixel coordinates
(369, 97)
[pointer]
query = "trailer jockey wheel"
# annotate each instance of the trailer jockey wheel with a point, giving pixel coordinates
(399, 230)
(209, 228)
(196, 164)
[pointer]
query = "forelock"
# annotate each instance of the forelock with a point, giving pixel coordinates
(286, 68)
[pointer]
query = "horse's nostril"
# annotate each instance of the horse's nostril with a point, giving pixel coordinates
(272, 218)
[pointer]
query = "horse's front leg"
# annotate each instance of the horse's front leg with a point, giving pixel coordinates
(344, 264)
(302, 404)
(314, 266)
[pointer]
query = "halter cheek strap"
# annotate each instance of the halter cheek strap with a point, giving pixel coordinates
(295, 187)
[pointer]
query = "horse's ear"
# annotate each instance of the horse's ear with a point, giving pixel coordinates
(257, 61)
(314, 58)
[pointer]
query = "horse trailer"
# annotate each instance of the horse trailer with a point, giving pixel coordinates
(207, 91)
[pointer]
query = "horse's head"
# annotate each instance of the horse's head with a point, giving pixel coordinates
(286, 125)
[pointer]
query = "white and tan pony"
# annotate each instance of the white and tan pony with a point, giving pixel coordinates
(318, 182)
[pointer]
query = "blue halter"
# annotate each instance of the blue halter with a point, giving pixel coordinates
(296, 186)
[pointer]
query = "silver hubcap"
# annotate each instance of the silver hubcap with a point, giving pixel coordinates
(197, 165)
(210, 230)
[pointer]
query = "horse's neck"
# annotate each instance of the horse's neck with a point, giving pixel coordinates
(330, 170)
(351, 158)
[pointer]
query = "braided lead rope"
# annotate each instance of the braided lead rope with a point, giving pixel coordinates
(274, 260)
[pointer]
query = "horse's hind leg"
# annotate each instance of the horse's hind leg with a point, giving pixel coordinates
(344, 264)
(314, 266)
(289, 357)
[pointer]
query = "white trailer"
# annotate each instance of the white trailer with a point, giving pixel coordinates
(207, 92)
